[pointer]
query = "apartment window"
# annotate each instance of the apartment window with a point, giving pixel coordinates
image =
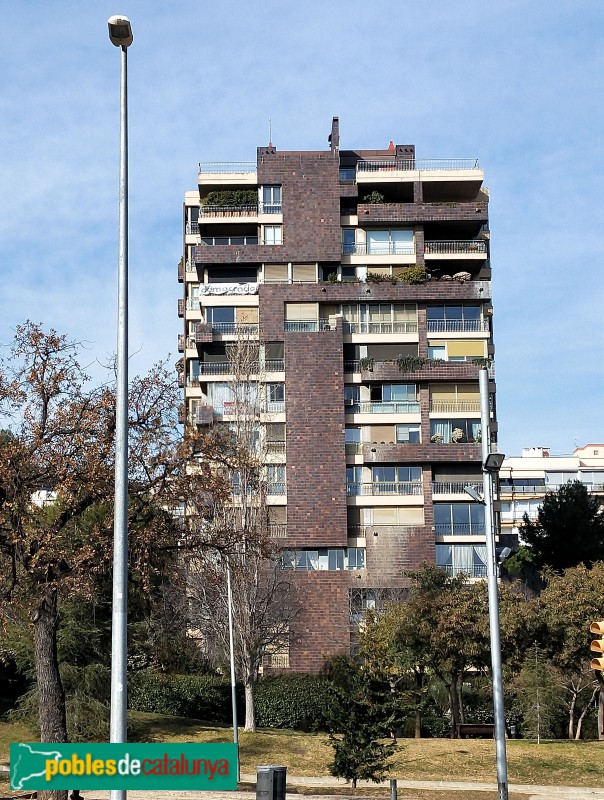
(352, 435)
(455, 431)
(352, 397)
(392, 474)
(394, 241)
(394, 392)
(454, 318)
(354, 477)
(460, 558)
(457, 350)
(459, 519)
(348, 241)
(272, 234)
(270, 200)
(276, 479)
(408, 433)
(324, 558)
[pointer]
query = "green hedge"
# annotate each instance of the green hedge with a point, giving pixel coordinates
(206, 697)
(295, 701)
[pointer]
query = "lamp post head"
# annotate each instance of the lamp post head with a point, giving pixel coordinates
(493, 462)
(120, 31)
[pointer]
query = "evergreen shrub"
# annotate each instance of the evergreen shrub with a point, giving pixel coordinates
(296, 701)
(206, 697)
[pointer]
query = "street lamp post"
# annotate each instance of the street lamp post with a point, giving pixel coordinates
(232, 659)
(491, 463)
(120, 34)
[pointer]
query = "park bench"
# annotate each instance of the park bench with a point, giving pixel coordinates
(485, 730)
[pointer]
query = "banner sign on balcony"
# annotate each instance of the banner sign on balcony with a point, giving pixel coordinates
(162, 767)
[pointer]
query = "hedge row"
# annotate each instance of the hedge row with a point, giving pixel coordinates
(295, 701)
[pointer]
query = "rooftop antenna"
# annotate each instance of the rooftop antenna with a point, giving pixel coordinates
(270, 132)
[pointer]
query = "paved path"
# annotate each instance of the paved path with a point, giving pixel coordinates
(534, 792)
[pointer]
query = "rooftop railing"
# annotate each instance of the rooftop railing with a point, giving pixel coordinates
(206, 167)
(454, 248)
(417, 164)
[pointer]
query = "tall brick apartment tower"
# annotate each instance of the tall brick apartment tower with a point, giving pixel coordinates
(365, 277)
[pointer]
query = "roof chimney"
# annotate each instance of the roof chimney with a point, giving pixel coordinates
(334, 136)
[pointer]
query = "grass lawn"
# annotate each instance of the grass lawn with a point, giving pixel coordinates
(559, 763)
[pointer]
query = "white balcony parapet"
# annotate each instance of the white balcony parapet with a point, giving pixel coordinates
(380, 249)
(208, 167)
(227, 211)
(243, 330)
(455, 406)
(415, 164)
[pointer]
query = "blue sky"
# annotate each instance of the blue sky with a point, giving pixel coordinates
(517, 85)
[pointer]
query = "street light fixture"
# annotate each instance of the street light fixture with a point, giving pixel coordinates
(120, 34)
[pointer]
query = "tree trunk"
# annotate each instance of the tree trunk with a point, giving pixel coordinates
(250, 711)
(454, 706)
(600, 679)
(571, 716)
(418, 709)
(51, 697)
(584, 713)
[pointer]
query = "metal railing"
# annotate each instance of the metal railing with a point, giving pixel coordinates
(276, 488)
(460, 529)
(387, 407)
(455, 247)
(384, 488)
(455, 406)
(416, 164)
(369, 530)
(379, 327)
(381, 249)
(274, 407)
(213, 241)
(192, 228)
(226, 166)
(475, 571)
(453, 487)
(270, 208)
(275, 447)
(228, 211)
(278, 531)
(274, 365)
(301, 327)
(458, 325)
(235, 329)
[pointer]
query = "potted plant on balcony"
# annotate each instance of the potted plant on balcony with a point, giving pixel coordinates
(374, 199)
(457, 435)
(366, 364)
(411, 363)
(437, 438)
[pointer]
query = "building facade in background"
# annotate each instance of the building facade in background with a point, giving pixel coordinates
(364, 276)
(524, 481)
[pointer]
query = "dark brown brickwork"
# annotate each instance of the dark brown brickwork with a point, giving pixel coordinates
(423, 212)
(420, 453)
(316, 460)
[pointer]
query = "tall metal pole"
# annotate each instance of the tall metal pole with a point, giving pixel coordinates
(233, 679)
(120, 529)
(487, 478)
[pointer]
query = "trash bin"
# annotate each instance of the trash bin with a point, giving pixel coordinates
(270, 782)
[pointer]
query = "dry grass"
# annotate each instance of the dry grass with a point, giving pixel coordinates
(559, 763)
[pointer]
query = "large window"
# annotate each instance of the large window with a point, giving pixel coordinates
(276, 479)
(459, 519)
(394, 392)
(275, 397)
(408, 433)
(447, 319)
(394, 241)
(396, 480)
(468, 559)
(454, 431)
(272, 234)
(324, 558)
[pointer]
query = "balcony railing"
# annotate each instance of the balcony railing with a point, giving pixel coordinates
(379, 327)
(217, 368)
(192, 228)
(270, 208)
(385, 407)
(242, 330)
(276, 488)
(353, 448)
(460, 529)
(383, 488)
(275, 447)
(455, 406)
(458, 325)
(416, 164)
(362, 531)
(212, 241)
(274, 365)
(226, 166)
(453, 487)
(455, 248)
(381, 249)
(274, 407)
(301, 327)
(278, 531)
(227, 211)
(474, 571)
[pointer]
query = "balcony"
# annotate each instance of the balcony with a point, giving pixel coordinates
(460, 528)
(472, 248)
(381, 407)
(277, 531)
(474, 571)
(278, 489)
(275, 407)
(241, 330)
(363, 531)
(455, 407)
(378, 327)
(217, 241)
(408, 453)
(458, 326)
(381, 249)
(226, 167)
(428, 369)
(453, 487)
(228, 212)
(301, 327)
(417, 165)
(275, 448)
(382, 488)
(423, 212)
